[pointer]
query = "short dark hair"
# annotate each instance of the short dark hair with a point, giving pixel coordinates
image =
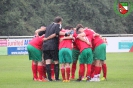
(68, 28)
(79, 26)
(41, 33)
(58, 19)
(77, 30)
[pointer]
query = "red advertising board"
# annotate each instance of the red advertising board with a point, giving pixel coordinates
(3, 42)
(3, 46)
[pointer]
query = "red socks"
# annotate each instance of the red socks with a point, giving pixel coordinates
(88, 70)
(68, 72)
(97, 70)
(73, 69)
(34, 71)
(40, 71)
(104, 68)
(81, 70)
(92, 70)
(63, 73)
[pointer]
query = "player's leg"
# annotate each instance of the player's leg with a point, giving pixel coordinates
(40, 65)
(52, 70)
(63, 72)
(75, 55)
(104, 69)
(48, 69)
(40, 69)
(81, 71)
(55, 58)
(99, 55)
(44, 68)
(104, 66)
(47, 58)
(88, 59)
(34, 64)
(68, 61)
(81, 65)
(97, 70)
(92, 69)
(73, 69)
(62, 63)
(67, 66)
(34, 70)
(103, 58)
(35, 55)
(94, 75)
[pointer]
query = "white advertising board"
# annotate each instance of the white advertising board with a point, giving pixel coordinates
(17, 46)
(119, 44)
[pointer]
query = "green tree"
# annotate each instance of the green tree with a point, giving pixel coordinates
(23, 17)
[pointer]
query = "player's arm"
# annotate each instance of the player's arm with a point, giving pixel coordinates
(81, 34)
(68, 37)
(66, 33)
(84, 40)
(86, 33)
(105, 40)
(49, 37)
(56, 33)
(42, 28)
(62, 33)
(59, 32)
(96, 34)
(65, 38)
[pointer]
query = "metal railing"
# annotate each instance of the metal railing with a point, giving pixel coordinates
(104, 35)
(11, 37)
(117, 35)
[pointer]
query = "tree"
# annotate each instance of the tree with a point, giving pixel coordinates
(23, 17)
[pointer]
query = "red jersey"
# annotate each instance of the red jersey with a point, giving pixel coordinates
(37, 42)
(66, 43)
(97, 41)
(75, 46)
(89, 33)
(81, 44)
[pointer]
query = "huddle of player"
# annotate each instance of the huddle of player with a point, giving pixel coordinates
(81, 44)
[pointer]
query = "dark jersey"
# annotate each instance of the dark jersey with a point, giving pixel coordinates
(52, 44)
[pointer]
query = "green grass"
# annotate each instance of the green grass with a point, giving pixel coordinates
(15, 72)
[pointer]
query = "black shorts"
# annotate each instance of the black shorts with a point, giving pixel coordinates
(51, 54)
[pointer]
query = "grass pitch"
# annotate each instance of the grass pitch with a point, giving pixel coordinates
(15, 72)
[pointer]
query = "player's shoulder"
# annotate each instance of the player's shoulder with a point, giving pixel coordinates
(90, 30)
(63, 30)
